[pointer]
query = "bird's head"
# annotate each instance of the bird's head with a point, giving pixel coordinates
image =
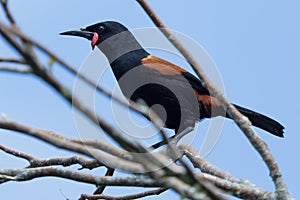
(99, 32)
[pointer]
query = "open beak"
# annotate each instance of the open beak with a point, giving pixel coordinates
(80, 33)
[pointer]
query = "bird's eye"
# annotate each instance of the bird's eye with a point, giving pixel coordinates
(101, 29)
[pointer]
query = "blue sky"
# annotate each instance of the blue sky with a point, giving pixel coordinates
(254, 44)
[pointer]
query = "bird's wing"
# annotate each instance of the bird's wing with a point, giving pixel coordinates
(170, 70)
(210, 106)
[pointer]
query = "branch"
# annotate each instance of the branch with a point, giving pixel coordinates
(186, 191)
(37, 162)
(17, 153)
(138, 163)
(31, 173)
(222, 179)
(7, 12)
(199, 162)
(15, 70)
(67, 143)
(12, 60)
(244, 191)
(72, 160)
(242, 121)
(238, 189)
(126, 197)
(85, 163)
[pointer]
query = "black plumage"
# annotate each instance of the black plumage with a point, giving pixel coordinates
(176, 95)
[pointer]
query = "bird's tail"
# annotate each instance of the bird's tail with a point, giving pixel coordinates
(262, 121)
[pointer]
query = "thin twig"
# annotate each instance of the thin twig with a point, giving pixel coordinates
(12, 60)
(15, 70)
(18, 154)
(199, 162)
(110, 149)
(7, 12)
(37, 162)
(101, 188)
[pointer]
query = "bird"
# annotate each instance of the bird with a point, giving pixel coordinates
(177, 97)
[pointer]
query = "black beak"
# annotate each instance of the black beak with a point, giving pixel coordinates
(80, 33)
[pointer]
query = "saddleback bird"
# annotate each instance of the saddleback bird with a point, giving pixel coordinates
(174, 94)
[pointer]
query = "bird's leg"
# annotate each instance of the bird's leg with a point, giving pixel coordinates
(161, 143)
(173, 140)
(180, 135)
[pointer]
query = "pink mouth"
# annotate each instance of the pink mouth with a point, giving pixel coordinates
(94, 40)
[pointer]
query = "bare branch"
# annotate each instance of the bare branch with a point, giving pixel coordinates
(73, 160)
(31, 173)
(64, 142)
(105, 147)
(240, 190)
(222, 179)
(127, 197)
(17, 153)
(199, 162)
(15, 70)
(12, 60)
(192, 192)
(7, 12)
(37, 162)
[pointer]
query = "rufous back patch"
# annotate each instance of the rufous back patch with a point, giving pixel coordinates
(162, 66)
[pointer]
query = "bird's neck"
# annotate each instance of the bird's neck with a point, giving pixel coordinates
(118, 45)
(127, 62)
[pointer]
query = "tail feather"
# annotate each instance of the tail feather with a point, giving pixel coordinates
(262, 121)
